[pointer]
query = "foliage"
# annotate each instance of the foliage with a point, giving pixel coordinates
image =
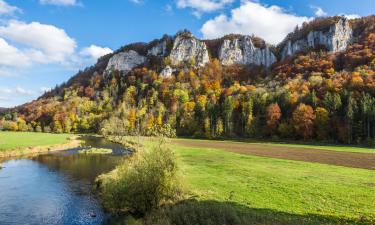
(147, 180)
(303, 119)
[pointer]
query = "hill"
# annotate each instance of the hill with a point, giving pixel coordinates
(317, 84)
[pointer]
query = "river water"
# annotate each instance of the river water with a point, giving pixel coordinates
(55, 188)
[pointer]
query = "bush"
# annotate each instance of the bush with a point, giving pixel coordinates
(9, 126)
(144, 182)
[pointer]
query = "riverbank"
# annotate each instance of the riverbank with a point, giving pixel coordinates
(227, 185)
(22, 143)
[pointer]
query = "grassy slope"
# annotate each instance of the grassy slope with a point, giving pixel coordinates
(12, 140)
(279, 186)
(341, 148)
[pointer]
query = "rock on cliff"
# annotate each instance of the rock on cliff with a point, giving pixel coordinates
(336, 38)
(125, 61)
(160, 49)
(241, 50)
(186, 48)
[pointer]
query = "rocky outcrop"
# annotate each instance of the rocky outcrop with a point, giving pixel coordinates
(336, 38)
(125, 61)
(241, 50)
(166, 72)
(187, 48)
(159, 49)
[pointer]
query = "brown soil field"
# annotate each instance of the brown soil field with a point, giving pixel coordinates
(347, 159)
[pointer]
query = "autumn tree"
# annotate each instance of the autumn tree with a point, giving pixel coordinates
(273, 115)
(303, 120)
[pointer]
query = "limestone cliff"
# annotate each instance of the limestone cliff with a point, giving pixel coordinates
(187, 48)
(125, 61)
(335, 38)
(241, 50)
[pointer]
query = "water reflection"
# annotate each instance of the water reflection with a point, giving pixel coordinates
(55, 188)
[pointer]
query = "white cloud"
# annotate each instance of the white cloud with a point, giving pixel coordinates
(11, 56)
(43, 43)
(59, 2)
(269, 22)
(319, 12)
(95, 52)
(7, 9)
(17, 91)
(202, 6)
(351, 16)
(3, 98)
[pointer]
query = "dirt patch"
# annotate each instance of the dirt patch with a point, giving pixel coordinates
(348, 159)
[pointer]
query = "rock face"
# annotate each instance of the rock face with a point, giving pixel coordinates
(125, 61)
(158, 50)
(241, 50)
(335, 39)
(167, 71)
(187, 48)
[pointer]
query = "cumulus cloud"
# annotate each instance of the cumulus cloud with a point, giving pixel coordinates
(59, 2)
(43, 43)
(269, 22)
(319, 12)
(95, 52)
(7, 9)
(12, 56)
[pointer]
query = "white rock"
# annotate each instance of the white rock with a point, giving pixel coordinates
(167, 71)
(125, 61)
(241, 50)
(336, 39)
(186, 48)
(158, 50)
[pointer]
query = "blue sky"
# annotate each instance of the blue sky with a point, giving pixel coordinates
(45, 42)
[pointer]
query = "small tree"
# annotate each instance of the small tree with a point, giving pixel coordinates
(303, 120)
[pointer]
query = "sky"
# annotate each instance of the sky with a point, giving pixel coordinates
(45, 42)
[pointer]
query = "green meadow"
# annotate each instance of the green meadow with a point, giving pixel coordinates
(15, 140)
(269, 191)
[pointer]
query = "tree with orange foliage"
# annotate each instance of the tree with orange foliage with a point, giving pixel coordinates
(273, 115)
(303, 120)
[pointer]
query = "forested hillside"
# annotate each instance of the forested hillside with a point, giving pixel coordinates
(313, 94)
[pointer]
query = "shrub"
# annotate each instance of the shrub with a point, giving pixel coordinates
(9, 126)
(144, 182)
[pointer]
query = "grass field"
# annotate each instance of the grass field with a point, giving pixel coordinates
(13, 140)
(278, 190)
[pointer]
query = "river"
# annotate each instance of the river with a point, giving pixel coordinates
(55, 188)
